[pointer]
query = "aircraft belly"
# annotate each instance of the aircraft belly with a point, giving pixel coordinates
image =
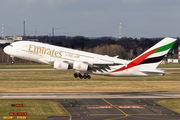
(128, 73)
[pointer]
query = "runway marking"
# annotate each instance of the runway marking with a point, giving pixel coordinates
(115, 107)
(92, 105)
(103, 114)
(130, 107)
(100, 107)
(121, 114)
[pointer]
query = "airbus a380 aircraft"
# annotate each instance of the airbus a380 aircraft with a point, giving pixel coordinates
(89, 63)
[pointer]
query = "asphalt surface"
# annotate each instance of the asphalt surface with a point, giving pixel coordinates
(88, 95)
(106, 106)
(116, 109)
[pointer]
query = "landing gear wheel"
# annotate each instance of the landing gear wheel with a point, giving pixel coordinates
(88, 76)
(80, 76)
(84, 76)
(75, 75)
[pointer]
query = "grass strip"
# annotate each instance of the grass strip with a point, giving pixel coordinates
(32, 108)
(169, 65)
(173, 104)
(57, 75)
(63, 81)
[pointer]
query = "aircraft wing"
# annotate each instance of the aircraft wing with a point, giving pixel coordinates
(95, 66)
(102, 67)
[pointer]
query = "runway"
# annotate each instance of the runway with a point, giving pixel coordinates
(117, 109)
(88, 95)
(106, 106)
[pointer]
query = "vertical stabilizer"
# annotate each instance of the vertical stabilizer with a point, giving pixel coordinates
(153, 56)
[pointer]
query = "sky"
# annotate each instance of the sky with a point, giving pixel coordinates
(91, 18)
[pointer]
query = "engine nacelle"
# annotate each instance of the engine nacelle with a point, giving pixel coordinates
(61, 65)
(80, 66)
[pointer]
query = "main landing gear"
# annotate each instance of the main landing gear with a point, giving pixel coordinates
(82, 76)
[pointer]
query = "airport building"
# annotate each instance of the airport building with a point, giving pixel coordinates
(13, 39)
(4, 41)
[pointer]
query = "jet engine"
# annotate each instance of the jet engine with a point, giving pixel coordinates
(80, 66)
(61, 65)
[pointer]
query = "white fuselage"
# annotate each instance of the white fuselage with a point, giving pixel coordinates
(45, 53)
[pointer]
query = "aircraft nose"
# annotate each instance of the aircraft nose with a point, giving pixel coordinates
(7, 49)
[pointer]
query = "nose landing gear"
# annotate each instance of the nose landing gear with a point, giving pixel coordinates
(82, 76)
(12, 62)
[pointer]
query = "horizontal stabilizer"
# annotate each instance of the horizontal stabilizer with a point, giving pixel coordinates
(152, 71)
